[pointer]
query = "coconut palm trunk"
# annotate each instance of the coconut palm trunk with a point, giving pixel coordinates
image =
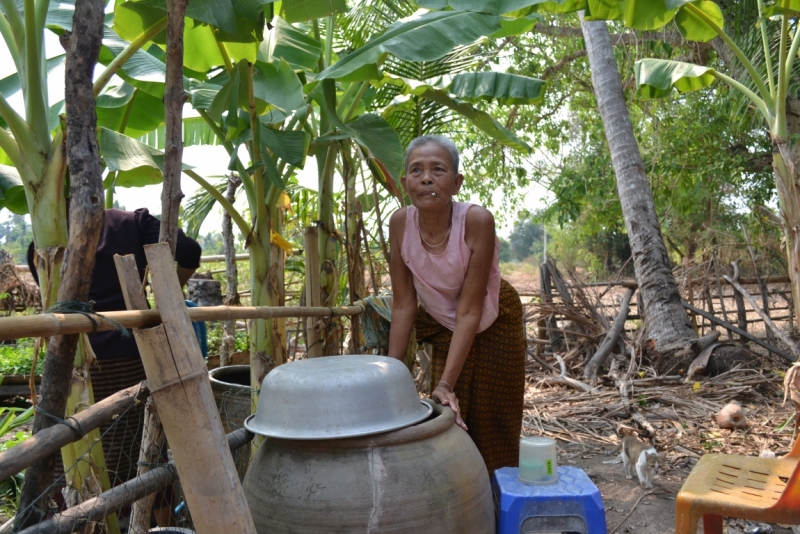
(666, 320)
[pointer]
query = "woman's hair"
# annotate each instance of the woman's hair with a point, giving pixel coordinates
(440, 140)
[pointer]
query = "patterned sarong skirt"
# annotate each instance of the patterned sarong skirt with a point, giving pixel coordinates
(491, 386)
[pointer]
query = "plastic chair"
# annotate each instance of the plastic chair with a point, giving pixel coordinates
(745, 487)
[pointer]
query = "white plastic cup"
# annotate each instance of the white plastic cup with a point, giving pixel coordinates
(538, 460)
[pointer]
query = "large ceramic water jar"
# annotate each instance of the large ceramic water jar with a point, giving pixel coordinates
(423, 476)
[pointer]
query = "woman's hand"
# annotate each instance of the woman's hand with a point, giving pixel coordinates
(444, 395)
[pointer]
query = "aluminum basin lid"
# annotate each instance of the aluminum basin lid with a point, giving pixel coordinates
(337, 397)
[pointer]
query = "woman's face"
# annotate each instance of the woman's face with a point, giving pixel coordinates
(429, 179)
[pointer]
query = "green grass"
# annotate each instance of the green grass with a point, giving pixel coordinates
(17, 359)
(522, 267)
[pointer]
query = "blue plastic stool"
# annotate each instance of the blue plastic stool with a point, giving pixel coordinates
(573, 504)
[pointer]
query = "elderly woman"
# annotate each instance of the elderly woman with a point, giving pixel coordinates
(445, 254)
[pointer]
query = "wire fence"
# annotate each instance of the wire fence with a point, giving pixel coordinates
(139, 489)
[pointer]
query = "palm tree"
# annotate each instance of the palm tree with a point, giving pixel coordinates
(666, 319)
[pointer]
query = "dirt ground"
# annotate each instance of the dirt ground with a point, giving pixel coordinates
(682, 414)
(655, 512)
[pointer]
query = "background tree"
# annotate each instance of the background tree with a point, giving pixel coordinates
(527, 238)
(15, 236)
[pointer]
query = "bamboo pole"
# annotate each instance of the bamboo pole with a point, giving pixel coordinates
(221, 258)
(178, 381)
(51, 324)
(153, 435)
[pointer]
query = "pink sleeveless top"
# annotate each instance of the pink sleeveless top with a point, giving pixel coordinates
(438, 279)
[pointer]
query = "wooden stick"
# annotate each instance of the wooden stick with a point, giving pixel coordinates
(532, 354)
(174, 98)
(741, 312)
(75, 518)
(51, 324)
(642, 496)
(228, 345)
(590, 371)
(149, 452)
(719, 291)
(745, 280)
(739, 331)
(778, 332)
(564, 379)
(644, 423)
(50, 440)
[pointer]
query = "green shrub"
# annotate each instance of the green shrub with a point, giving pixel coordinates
(215, 339)
(17, 359)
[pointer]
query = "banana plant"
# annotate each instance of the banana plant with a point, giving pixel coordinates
(767, 89)
(298, 62)
(34, 167)
(34, 172)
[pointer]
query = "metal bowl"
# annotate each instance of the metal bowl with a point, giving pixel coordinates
(337, 397)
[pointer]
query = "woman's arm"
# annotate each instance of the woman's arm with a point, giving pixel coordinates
(480, 238)
(404, 300)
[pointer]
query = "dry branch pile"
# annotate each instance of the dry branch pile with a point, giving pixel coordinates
(681, 414)
(17, 291)
(629, 396)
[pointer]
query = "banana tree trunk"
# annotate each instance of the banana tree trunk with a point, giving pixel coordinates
(786, 176)
(84, 462)
(86, 218)
(328, 245)
(48, 208)
(785, 164)
(666, 320)
(261, 347)
(355, 262)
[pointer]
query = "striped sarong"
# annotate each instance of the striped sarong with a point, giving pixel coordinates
(122, 437)
(491, 386)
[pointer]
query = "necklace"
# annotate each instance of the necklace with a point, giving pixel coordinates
(447, 235)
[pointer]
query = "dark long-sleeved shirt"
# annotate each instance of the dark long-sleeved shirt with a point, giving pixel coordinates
(124, 232)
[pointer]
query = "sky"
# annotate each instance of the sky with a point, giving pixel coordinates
(210, 161)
